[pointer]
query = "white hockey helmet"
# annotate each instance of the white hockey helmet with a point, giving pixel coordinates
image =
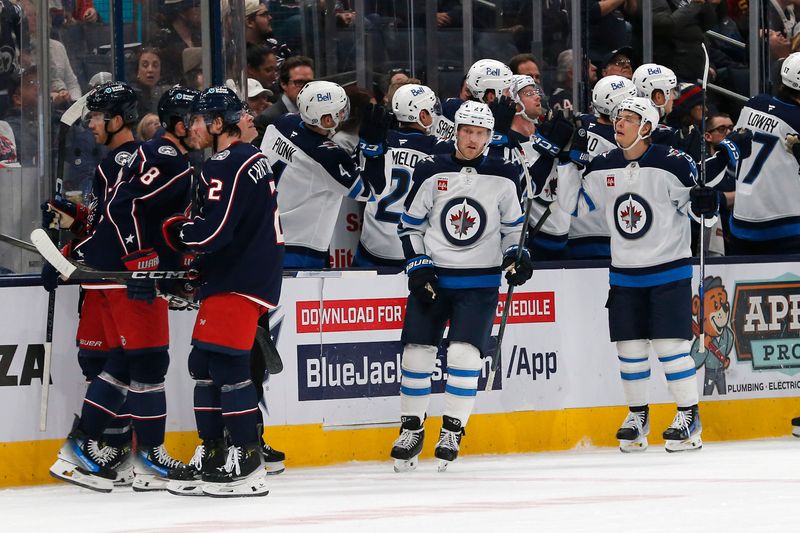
(488, 74)
(474, 114)
(645, 109)
(519, 82)
(790, 71)
(609, 91)
(410, 100)
(320, 98)
(650, 77)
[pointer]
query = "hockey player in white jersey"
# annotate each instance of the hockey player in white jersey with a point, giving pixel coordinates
(766, 213)
(313, 173)
(645, 190)
(416, 109)
(459, 230)
(589, 237)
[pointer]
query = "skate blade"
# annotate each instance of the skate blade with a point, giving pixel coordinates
(254, 485)
(633, 446)
(690, 444)
(148, 483)
(124, 477)
(274, 468)
(405, 465)
(796, 431)
(441, 465)
(68, 472)
(185, 488)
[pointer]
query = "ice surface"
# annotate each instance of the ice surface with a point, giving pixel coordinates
(726, 487)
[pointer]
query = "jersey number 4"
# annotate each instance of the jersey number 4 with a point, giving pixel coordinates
(401, 179)
(767, 144)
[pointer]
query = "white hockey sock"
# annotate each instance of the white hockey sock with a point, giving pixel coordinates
(415, 385)
(634, 369)
(463, 369)
(678, 369)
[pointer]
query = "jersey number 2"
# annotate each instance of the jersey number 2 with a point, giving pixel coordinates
(400, 181)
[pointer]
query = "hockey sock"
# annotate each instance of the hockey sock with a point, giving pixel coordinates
(231, 373)
(415, 384)
(118, 432)
(147, 399)
(678, 369)
(463, 369)
(634, 369)
(104, 397)
(207, 406)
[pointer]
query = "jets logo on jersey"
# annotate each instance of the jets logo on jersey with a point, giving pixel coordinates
(550, 189)
(463, 221)
(122, 158)
(632, 216)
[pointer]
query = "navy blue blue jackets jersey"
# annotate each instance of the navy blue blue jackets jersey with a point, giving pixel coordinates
(106, 176)
(154, 185)
(238, 229)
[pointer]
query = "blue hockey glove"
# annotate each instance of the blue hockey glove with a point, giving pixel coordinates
(49, 277)
(517, 273)
(372, 133)
(579, 151)
(736, 146)
(503, 109)
(422, 279)
(705, 200)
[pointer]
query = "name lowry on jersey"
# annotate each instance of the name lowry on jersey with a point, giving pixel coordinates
(762, 122)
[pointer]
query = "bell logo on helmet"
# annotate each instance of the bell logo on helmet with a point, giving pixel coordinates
(417, 92)
(492, 71)
(617, 85)
(652, 71)
(324, 97)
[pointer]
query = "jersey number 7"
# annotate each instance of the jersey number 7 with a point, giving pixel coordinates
(767, 143)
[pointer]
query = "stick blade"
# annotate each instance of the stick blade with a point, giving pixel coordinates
(51, 253)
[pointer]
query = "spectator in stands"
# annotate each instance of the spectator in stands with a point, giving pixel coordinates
(148, 80)
(10, 30)
(526, 64)
(193, 68)
(396, 85)
(257, 96)
(23, 116)
(262, 66)
(257, 23)
(346, 134)
(181, 29)
(617, 63)
(561, 98)
(608, 30)
(295, 72)
(148, 127)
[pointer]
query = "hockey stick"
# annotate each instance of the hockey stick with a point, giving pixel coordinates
(510, 293)
(701, 286)
(70, 269)
(19, 243)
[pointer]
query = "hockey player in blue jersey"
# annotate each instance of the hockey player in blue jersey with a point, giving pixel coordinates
(459, 230)
(589, 237)
(766, 215)
(238, 233)
(154, 183)
(111, 117)
(313, 173)
(416, 109)
(646, 192)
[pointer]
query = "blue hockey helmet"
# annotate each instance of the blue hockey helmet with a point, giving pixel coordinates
(114, 98)
(218, 102)
(176, 104)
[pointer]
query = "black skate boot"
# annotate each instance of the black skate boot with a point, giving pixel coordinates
(186, 479)
(242, 475)
(449, 442)
(121, 461)
(151, 466)
(796, 426)
(408, 446)
(684, 433)
(84, 462)
(273, 459)
(632, 435)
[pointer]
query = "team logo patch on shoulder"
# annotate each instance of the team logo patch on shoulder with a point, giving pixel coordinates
(610, 181)
(221, 155)
(441, 184)
(167, 150)
(122, 158)
(632, 216)
(463, 221)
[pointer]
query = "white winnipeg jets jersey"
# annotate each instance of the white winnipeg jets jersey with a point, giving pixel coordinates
(600, 140)
(405, 148)
(646, 203)
(553, 233)
(463, 215)
(313, 174)
(767, 182)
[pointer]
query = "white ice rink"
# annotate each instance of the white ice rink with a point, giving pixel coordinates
(726, 487)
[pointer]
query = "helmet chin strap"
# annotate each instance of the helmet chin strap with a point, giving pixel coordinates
(639, 138)
(110, 134)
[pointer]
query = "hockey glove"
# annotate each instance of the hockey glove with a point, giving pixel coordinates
(705, 200)
(517, 273)
(579, 151)
(141, 289)
(372, 133)
(171, 231)
(736, 146)
(60, 213)
(503, 109)
(792, 143)
(552, 136)
(422, 280)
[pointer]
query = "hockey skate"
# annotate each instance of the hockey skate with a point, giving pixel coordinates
(187, 479)
(151, 466)
(408, 446)
(684, 433)
(273, 459)
(449, 442)
(796, 426)
(121, 462)
(633, 433)
(82, 461)
(242, 475)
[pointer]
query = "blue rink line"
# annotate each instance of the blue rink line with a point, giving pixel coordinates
(33, 280)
